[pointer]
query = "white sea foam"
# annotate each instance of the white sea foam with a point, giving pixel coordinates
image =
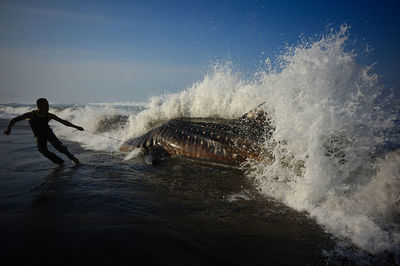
(325, 113)
(238, 197)
(9, 111)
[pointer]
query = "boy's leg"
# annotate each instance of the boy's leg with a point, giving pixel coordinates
(41, 143)
(61, 147)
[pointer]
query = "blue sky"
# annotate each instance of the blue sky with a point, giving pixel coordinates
(102, 51)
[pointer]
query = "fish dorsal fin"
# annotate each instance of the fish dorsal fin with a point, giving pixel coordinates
(255, 113)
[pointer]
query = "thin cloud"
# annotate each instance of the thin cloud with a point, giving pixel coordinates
(24, 77)
(53, 12)
(50, 52)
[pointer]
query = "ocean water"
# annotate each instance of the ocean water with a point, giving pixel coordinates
(331, 196)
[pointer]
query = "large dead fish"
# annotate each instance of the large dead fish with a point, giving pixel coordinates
(230, 141)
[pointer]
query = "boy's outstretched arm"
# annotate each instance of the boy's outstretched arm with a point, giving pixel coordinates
(7, 131)
(64, 122)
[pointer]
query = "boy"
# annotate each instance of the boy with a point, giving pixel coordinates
(39, 122)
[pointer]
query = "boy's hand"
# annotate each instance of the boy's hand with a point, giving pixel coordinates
(7, 131)
(79, 128)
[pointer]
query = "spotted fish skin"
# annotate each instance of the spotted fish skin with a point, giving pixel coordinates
(228, 141)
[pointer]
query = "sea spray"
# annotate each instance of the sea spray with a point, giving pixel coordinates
(220, 94)
(327, 116)
(108, 119)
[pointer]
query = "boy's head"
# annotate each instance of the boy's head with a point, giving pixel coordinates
(42, 104)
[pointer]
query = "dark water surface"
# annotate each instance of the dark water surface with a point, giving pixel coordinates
(112, 212)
